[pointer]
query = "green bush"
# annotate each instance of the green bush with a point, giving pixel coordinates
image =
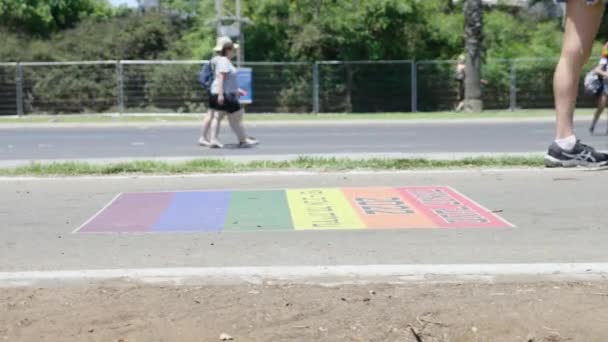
(175, 87)
(70, 89)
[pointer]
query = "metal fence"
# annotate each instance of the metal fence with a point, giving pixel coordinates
(285, 87)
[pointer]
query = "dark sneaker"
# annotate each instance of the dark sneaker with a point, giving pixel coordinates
(581, 155)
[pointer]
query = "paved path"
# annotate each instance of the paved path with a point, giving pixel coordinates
(282, 139)
(559, 217)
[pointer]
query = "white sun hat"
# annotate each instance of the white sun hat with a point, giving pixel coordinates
(223, 42)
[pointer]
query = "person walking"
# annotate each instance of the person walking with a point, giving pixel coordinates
(205, 139)
(582, 22)
(225, 95)
(460, 78)
(602, 94)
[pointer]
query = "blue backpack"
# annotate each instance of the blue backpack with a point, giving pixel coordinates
(206, 75)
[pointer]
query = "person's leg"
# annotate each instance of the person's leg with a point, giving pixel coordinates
(460, 105)
(219, 117)
(205, 128)
(582, 24)
(236, 123)
(601, 105)
(214, 129)
(605, 105)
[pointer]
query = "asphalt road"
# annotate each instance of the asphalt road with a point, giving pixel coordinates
(283, 139)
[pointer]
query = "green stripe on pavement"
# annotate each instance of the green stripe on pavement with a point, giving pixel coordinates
(258, 211)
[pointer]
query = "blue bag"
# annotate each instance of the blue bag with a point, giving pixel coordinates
(206, 75)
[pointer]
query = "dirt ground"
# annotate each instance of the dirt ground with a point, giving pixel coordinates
(412, 312)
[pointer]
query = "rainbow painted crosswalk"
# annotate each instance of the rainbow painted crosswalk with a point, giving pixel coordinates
(291, 209)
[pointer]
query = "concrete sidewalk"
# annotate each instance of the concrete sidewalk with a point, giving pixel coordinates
(558, 214)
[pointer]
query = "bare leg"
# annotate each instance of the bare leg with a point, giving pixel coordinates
(236, 123)
(606, 105)
(601, 105)
(216, 123)
(582, 24)
(460, 106)
(204, 139)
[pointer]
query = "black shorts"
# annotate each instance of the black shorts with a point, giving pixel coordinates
(231, 103)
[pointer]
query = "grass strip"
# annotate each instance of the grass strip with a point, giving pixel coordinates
(225, 166)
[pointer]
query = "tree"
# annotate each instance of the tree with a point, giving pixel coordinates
(473, 33)
(43, 17)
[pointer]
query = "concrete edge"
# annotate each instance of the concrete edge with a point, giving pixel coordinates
(277, 157)
(319, 275)
(307, 173)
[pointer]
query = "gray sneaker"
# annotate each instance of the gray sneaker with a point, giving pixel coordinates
(581, 155)
(249, 142)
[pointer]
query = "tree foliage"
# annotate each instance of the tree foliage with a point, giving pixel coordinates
(46, 16)
(351, 30)
(281, 30)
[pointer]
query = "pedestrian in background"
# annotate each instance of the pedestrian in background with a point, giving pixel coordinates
(225, 94)
(602, 94)
(206, 136)
(459, 76)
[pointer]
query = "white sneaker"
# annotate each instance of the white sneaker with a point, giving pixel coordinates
(216, 144)
(204, 142)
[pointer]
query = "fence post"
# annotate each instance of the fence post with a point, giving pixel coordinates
(120, 89)
(513, 92)
(19, 88)
(315, 87)
(414, 86)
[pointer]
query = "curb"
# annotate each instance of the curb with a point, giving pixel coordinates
(319, 275)
(278, 158)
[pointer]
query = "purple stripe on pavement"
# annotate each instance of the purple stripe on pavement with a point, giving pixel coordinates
(130, 213)
(203, 211)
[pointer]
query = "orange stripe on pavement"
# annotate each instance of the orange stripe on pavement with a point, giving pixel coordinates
(386, 208)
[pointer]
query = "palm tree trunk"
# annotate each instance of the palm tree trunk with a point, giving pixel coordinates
(473, 33)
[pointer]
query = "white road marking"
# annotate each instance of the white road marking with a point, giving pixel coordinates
(98, 213)
(314, 274)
